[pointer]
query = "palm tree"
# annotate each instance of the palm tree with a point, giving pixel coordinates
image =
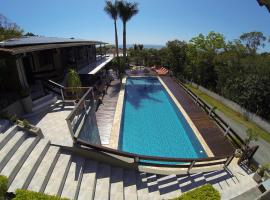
(126, 11)
(112, 10)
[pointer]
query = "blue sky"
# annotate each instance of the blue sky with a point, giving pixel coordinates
(157, 22)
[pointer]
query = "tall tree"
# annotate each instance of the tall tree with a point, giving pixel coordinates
(126, 11)
(9, 29)
(253, 40)
(112, 10)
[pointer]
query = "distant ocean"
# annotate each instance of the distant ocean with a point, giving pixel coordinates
(146, 46)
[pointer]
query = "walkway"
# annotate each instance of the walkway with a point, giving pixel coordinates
(105, 113)
(52, 122)
(209, 130)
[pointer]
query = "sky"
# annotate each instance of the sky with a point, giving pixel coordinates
(157, 21)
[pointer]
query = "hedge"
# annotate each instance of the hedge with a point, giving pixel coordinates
(205, 192)
(26, 195)
(3, 186)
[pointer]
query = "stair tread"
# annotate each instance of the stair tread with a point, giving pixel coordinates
(88, 182)
(17, 156)
(29, 165)
(43, 169)
(141, 182)
(73, 178)
(8, 150)
(103, 182)
(117, 185)
(130, 188)
(58, 174)
(152, 186)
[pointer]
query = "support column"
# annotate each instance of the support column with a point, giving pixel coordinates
(21, 73)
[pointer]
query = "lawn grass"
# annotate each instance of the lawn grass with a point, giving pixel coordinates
(205, 192)
(230, 113)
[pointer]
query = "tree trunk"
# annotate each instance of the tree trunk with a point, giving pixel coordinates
(116, 39)
(124, 41)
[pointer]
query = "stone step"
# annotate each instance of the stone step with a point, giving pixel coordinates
(19, 157)
(45, 169)
(11, 147)
(30, 166)
(130, 189)
(44, 104)
(168, 186)
(102, 190)
(42, 100)
(88, 183)
(59, 174)
(4, 125)
(117, 185)
(5, 137)
(141, 183)
(152, 186)
(74, 178)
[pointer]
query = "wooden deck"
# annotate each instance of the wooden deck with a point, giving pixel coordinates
(209, 130)
(105, 113)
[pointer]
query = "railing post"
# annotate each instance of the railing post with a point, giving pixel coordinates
(228, 161)
(136, 159)
(191, 165)
(197, 98)
(62, 95)
(227, 131)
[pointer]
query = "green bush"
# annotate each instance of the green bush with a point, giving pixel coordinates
(205, 192)
(3, 186)
(26, 195)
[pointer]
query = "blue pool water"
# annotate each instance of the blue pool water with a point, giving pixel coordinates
(153, 125)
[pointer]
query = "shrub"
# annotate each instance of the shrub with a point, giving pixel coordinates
(205, 192)
(26, 195)
(3, 186)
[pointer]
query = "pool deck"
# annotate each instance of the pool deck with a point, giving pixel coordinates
(210, 132)
(106, 111)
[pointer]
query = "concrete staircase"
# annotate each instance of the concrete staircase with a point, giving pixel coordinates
(31, 162)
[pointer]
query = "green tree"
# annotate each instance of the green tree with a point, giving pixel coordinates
(176, 55)
(8, 29)
(126, 11)
(112, 10)
(253, 40)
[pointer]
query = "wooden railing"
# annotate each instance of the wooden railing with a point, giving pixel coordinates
(155, 161)
(67, 94)
(86, 105)
(78, 115)
(228, 131)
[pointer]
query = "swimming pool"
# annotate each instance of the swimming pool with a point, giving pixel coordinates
(153, 125)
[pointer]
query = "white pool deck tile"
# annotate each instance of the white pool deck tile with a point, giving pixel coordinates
(53, 124)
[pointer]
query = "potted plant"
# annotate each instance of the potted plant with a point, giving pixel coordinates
(74, 84)
(259, 174)
(26, 100)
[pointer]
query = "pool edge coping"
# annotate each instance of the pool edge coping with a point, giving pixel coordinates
(189, 121)
(116, 126)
